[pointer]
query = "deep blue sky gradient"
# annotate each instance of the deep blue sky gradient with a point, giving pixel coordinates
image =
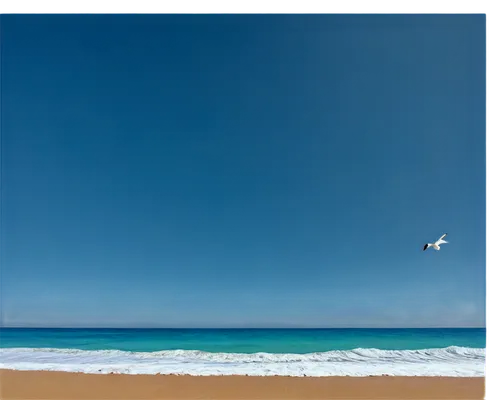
(215, 171)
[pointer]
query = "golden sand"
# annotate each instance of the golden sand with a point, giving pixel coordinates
(76, 386)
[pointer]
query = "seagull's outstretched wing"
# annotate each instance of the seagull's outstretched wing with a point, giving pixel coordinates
(425, 247)
(440, 240)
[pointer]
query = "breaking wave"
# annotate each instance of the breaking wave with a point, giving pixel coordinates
(449, 361)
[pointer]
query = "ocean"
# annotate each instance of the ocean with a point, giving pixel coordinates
(292, 352)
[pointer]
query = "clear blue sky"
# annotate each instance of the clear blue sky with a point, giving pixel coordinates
(215, 171)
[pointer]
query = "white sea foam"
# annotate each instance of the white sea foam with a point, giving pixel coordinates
(450, 361)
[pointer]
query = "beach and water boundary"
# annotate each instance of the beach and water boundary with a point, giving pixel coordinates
(242, 363)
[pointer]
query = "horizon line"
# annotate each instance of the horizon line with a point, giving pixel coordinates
(238, 328)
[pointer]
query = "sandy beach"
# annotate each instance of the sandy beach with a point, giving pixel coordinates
(63, 385)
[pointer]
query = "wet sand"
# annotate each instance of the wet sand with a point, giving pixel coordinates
(76, 386)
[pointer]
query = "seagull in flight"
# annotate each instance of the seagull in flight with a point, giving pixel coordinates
(435, 245)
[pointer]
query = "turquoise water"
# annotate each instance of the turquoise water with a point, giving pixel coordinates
(298, 341)
(262, 352)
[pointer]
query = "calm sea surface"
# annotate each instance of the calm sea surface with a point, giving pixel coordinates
(297, 341)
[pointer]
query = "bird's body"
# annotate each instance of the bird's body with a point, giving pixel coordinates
(436, 244)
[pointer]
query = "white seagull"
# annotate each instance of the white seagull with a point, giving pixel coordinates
(435, 245)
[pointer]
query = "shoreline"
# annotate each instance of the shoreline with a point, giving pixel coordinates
(451, 361)
(79, 386)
